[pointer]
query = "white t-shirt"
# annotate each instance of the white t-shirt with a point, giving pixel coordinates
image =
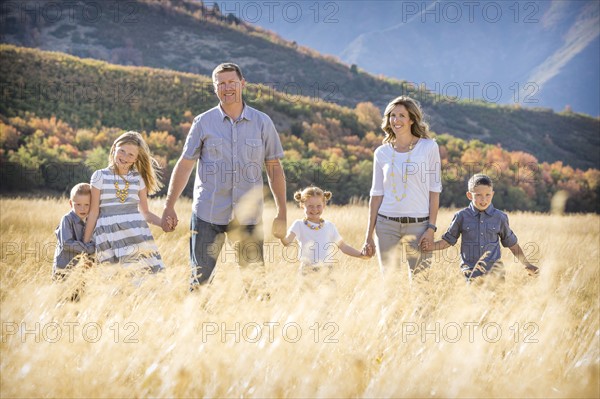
(423, 174)
(317, 247)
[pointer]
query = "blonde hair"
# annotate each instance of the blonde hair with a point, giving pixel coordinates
(80, 189)
(302, 196)
(418, 129)
(145, 164)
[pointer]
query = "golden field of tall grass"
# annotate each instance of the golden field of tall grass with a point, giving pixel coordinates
(351, 333)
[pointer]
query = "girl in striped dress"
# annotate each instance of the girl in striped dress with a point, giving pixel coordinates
(119, 213)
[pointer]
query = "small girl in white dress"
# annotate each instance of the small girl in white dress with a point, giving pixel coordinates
(319, 239)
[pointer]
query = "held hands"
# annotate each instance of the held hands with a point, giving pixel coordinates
(169, 220)
(426, 241)
(279, 227)
(368, 248)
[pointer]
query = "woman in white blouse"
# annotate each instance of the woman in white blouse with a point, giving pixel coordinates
(405, 194)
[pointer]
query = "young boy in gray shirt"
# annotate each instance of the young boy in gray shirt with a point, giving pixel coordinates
(70, 232)
(483, 229)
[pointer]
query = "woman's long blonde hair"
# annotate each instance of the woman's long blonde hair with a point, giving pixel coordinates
(145, 164)
(418, 129)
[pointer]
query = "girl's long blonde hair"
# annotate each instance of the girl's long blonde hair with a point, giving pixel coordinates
(145, 164)
(418, 129)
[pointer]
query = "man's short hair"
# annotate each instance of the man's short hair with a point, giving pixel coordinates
(479, 180)
(80, 189)
(227, 67)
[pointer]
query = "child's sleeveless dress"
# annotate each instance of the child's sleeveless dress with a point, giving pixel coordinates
(122, 234)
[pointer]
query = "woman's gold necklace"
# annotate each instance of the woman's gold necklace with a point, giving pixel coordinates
(404, 175)
(312, 226)
(121, 194)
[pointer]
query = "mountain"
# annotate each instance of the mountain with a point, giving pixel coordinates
(92, 93)
(185, 36)
(537, 53)
(58, 122)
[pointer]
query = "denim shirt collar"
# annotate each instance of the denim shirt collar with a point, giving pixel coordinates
(488, 211)
(73, 216)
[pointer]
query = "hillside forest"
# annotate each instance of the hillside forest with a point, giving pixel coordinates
(58, 121)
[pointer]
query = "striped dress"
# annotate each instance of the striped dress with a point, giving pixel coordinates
(122, 234)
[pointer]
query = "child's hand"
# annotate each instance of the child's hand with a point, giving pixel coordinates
(426, 246)
(368, 250)
(532, 270)
(171, 223)
(169, 220)
(426, 240)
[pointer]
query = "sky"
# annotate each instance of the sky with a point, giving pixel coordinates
(535, 53)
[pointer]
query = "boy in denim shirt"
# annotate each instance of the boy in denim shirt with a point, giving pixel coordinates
(70, 232)
(483, 229)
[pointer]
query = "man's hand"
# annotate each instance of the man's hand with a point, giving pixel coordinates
(169, 220)
(279, 227)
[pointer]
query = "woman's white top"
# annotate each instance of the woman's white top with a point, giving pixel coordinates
(420, 170)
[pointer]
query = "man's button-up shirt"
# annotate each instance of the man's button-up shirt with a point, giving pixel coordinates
(230, 155)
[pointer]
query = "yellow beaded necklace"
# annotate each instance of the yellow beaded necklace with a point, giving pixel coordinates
(121, 194)
(411, 146)
(312, 226)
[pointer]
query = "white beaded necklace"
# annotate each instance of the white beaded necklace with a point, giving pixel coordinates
(313, 226)
(411, 146)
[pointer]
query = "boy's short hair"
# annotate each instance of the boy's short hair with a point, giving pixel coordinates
(479, 180)
(227, 67)
(80, 189)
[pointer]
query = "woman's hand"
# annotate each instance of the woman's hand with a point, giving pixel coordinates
(426, 240)
(369, 247)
